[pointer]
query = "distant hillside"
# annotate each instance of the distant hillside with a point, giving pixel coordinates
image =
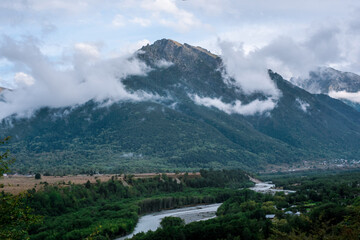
(330, 81)
(178, 133)
(325, 80)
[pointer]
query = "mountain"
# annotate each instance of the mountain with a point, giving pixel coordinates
(325, 80)
(2, 89)
(176, 132)
(329, 81)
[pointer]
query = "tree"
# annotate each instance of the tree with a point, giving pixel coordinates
(167, 222)
(5, 161)
(15, 216)
(88, 184)
(37, 176)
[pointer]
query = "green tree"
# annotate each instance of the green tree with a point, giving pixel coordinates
(37, 176)
(167, 222)
(15, 216)
(5, 160)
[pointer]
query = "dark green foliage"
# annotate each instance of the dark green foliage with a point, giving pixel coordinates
(168, 222)
(78, 211)
(37, 176)
(219, 178)
(16, 217)
(5, 160)
(242, 216)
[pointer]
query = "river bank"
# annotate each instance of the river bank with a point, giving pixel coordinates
(188, 214)
(267, 187)
(191, 214)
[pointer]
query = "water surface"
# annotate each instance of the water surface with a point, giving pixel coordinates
(268, 187)
(189, 214)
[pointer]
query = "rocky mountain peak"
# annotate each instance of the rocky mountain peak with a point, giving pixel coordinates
(325, 80)
(183, 55)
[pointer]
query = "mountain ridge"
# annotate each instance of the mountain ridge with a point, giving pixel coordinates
(179, 133)
(325, 80)
(337, 84)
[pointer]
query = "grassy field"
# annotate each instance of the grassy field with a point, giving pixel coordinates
(16, 184)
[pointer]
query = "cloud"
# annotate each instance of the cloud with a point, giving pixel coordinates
(303, 105)
(351, 96)
(130, 47)
(285, 55)
(296, 58)
(118, 21)
(45, 85)
(291, 58)
(163, 63)
(254, 107)
(21, 78)
(47, 28)
(167, 13)
(249, 71)
(141, 21)
(88, 50)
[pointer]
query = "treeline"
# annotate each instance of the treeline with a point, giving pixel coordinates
(219, 178)
(187, 197)
(239, 222)
(335, 187)
(104, 210)
(333, 214)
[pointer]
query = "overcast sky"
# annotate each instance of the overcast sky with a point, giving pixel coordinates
(43, 39)
(111, 27)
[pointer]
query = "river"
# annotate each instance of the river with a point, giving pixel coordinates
(197, 213)
(189, 214)
(267, 187)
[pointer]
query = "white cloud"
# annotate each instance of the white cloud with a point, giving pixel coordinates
(283, 54)
(167, 13)
(296, 58)
(99, 80)
(141, 21)
(118, 21)
(303, 105)
(168, 6)
(351, 96)
(66, 5)
(236, 107)
(163, 63)
(87, 49)
(130, 47)
(249, 71)
(21, 78)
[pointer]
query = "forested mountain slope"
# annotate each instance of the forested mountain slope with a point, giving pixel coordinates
(174, 131)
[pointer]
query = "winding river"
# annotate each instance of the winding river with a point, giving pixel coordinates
(197, 213)
(189, 214)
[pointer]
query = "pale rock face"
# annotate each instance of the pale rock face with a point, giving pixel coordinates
(344, 86)
(325, 80)
(184, 55)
